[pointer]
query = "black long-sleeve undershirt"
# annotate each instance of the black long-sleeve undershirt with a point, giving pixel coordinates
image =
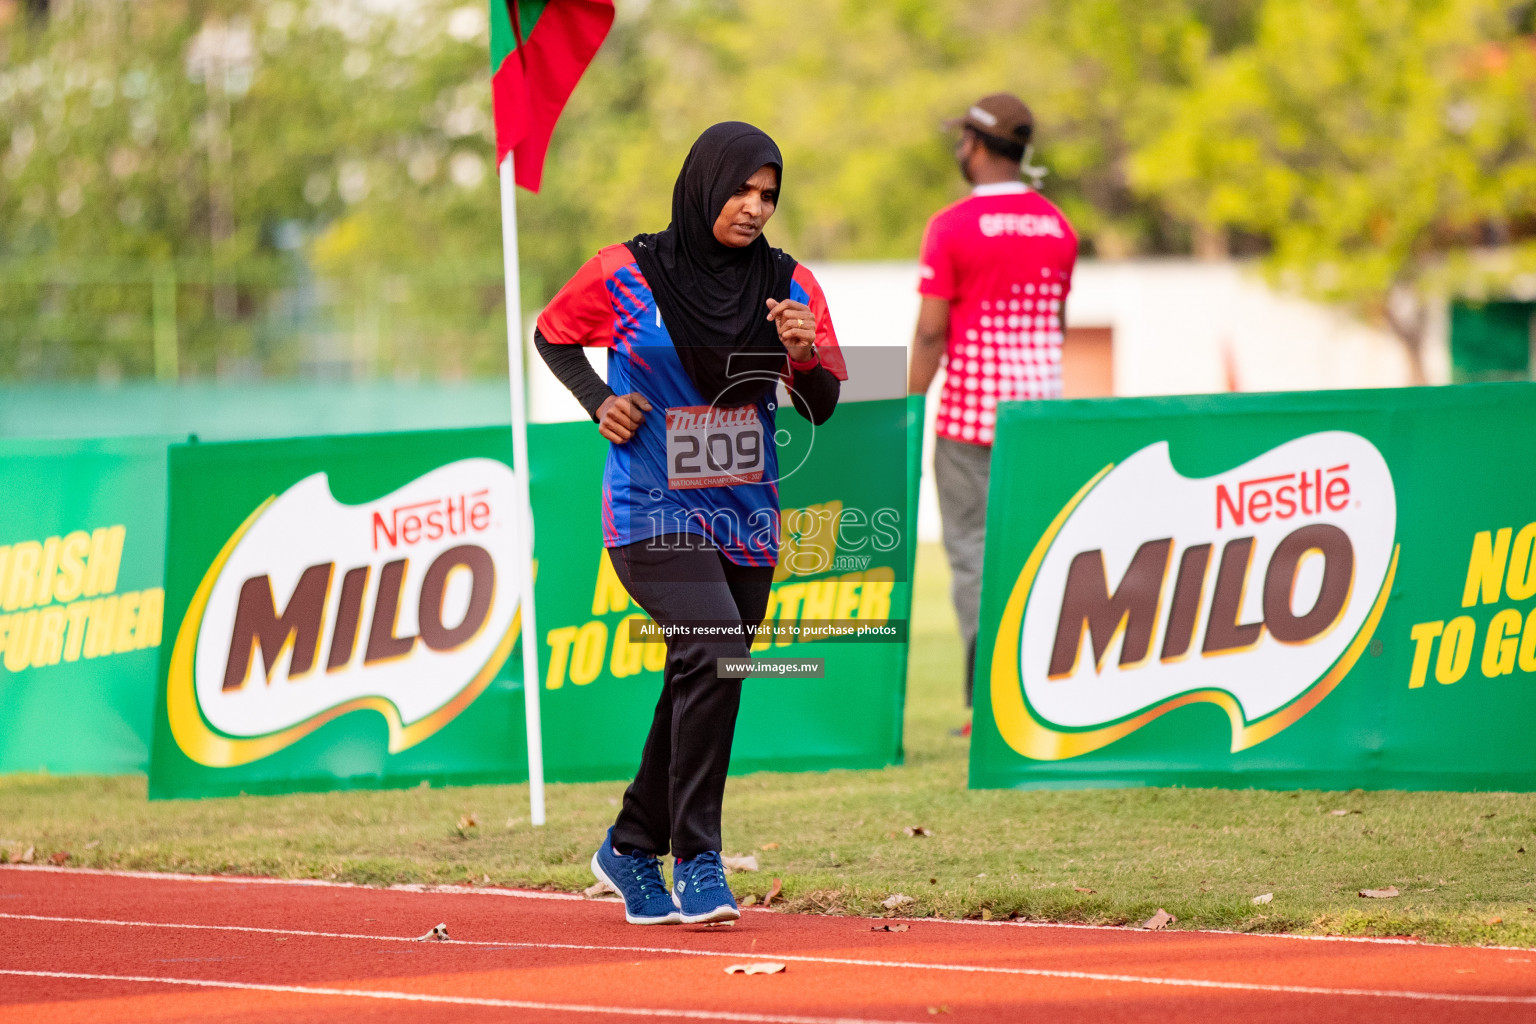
(569, 365)
(813, 392)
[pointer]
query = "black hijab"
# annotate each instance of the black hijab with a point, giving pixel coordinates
(712, 296)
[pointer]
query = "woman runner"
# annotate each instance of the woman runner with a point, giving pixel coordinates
(702, 321)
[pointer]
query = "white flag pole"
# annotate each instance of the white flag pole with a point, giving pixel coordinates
(522, 513)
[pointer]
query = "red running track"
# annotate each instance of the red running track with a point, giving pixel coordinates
(83, 946)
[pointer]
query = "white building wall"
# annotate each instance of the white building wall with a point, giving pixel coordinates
(1180, 327)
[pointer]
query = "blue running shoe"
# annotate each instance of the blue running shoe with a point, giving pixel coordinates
(700, 892)
(636, 877)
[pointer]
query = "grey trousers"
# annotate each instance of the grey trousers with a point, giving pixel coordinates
(960, 472)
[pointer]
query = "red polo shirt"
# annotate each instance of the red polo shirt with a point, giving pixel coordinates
(1003, 259)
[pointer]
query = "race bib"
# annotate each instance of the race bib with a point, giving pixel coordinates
(713, 447)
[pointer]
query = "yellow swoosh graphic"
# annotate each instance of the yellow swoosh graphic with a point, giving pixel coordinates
(1037, 740)
(207, 747)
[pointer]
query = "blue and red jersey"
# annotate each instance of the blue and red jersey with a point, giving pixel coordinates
(609, 304)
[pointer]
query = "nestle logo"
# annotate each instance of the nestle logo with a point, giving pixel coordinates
(452, 516)
(1305, 492)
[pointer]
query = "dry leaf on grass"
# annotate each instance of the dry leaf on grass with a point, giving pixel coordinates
(1380, 894)
(1158, 921)
(917, 831)
(774, 892)
(439, 933)
(92, 844)
(897, 901)
(1495, 920)
(1343, 813)
(26, 857)
(596, 889)
(749, 900)
(986, 914)
(769, 846)
(468, 821)
(763, 967)
(1262, 899)
(889, 927)
(60, 857)
(1083, 888)
(746, 863)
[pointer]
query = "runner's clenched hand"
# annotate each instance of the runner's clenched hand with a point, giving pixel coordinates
(619, 417)
(797, 327)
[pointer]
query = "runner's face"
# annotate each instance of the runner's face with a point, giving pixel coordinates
(742, 218)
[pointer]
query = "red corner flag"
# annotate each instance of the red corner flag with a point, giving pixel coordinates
(535, 65)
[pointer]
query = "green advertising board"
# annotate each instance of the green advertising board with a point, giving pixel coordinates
(599, 689)
(339, 612)
(1328, 590)
(82, 534)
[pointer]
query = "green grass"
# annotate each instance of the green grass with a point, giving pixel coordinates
(1202, 854)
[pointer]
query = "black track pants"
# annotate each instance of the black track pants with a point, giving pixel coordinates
(674, 802)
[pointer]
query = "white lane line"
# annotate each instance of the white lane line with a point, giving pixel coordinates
(1031, 972)
(319, 883)
(419, 997)
(537, 894)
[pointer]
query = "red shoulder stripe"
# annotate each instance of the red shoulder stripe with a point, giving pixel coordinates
(581, 313)
(827, 350)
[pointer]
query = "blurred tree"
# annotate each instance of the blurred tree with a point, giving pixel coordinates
(215, 140)
(1381, 146)
(857, 106)
(281, 157)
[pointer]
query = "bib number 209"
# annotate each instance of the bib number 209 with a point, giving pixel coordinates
(712, 447)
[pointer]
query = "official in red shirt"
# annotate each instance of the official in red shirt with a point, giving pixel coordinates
(995, 271)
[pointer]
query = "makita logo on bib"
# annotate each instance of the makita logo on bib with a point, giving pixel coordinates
(1246, 589)
(706, 417)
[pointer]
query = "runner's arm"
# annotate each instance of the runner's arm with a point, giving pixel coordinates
(814, 392)
(569, 365)
(928, 344)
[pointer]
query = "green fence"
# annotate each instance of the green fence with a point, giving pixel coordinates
(269, 318)
(1491, 341)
